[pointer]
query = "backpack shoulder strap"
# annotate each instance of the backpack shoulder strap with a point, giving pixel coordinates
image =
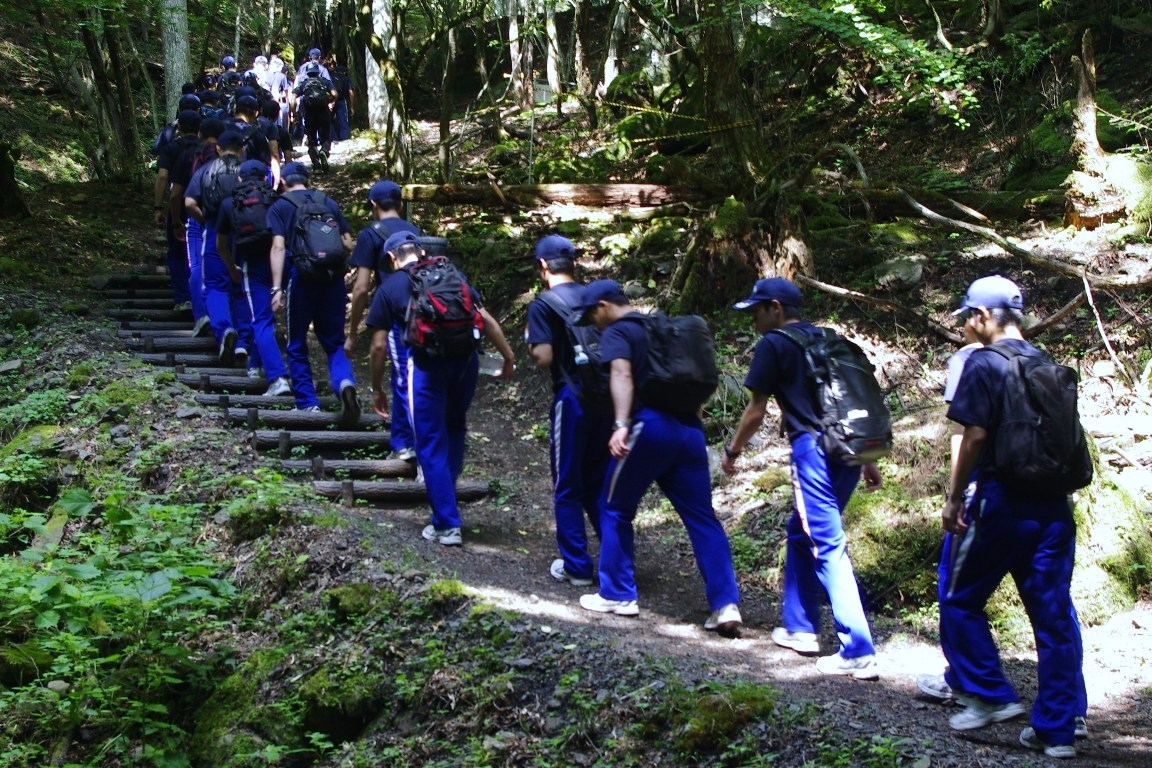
(801, 340)
(553, 301)
(1003, 350)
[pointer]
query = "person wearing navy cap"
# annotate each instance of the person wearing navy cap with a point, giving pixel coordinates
(372, 262)
(243, 239)
(257, 144)
(188, 127)
(440, 389)
(579, 445)
(315, 96)
(314, 55)
(311, 302)
(648, 446)
(998, 531)
(817, 561)
(227, 306)
(342, 113)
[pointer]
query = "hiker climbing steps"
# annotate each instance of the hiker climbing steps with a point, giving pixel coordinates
(309, 444)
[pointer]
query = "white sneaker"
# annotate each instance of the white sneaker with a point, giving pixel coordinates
(203, 327)
(560, 573)
(936, 687)
(598, 604)
(404, 454)
(725, 621)
(804, 643)
(977, 714)
(184, 306)
(242, 359)
(860, 667)
(253, 373)
(1028, 738)
(227, 352)
(1081, 727)
(280, 386)
(449, 537)
(349, 405)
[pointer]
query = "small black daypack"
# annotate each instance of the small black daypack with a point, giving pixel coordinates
(317, 243)
(442, 318)
(220, 181)
(315, 92)
(1040, 448)
(250, 202)
(855, 424)
(591, 381)
(682, 371)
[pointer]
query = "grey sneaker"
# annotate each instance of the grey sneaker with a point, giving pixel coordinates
(202, 328)
(310, 409)
(228, 347)
(860, 667)
(804, 643)
(1028, 738)
(725, 621)
(598, 604)
(936, 687)
(280, 386)
(254, 373)
(449, 537)
(1081, 727)
(349, 405)
(977, 714)
(184, 306)
(404, 454)
(560, 573)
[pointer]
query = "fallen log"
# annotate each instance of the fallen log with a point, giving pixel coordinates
(540, 195)
(141, 303)
(137, 293)
(395, 491)
(100, 282)
(162, 333)
(171, 359)
(148, 314)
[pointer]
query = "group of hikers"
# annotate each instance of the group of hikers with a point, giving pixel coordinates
(250, 236)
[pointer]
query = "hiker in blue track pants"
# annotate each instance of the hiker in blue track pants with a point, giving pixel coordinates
(579, 446)
(817, 563)
(651, 446)
(310, 302)
(440, 389)
(1000, 531)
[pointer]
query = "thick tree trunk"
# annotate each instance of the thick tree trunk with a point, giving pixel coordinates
(445, 147)
(379, 24)
(1093, 198)
(174, 25)
(734, 137)
(519, 52)
(11, 202)
(129, 131)
(109, 158)
(612, 57)
(552, 66)
(585, 84)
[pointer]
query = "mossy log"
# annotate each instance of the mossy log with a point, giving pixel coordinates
(320, 467)
(539, 195)
(395, 491)
(886, 204)
(294, 419)
(284, 440)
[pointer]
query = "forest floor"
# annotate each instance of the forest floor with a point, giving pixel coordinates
(509, 545)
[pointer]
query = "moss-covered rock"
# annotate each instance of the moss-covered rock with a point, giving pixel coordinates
(339, 701)
(41, 439)
(352, 600)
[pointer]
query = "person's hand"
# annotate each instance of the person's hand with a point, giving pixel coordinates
(872, 478)
(952, 516)
(179, 232)
(158, 217)
(277, 301)
(618, 443)
(508, 370)
(380, 403)
(728, 464)
(350, 345)
(235, 273)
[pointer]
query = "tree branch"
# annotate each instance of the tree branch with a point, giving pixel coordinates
(836, 290)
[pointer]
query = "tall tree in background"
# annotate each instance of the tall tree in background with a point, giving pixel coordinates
(174, 27)
(379, 23)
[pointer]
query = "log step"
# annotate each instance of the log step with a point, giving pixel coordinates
(236, 370)
(255, 401)
(147, 314)
(137, 293)
(144, 333)
(395, 491)
(321, 467)
(254, 417)
(171, 359)
(283, 440)
(144, 325)
(152, 280)
(210, 383)
(173, 344)
(143, 303)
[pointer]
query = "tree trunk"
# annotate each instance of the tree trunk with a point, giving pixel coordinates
(519, 51)
(585, 85)
(129, 134)
(110, 149)
(552, 66)
(174, 25)
(725, 106)
(11, 202)
(379, 23)
(612, 57)
(445, 147)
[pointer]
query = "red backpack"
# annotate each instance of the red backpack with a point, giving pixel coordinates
(443, 319)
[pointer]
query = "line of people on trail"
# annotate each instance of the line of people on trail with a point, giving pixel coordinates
(1008, 509)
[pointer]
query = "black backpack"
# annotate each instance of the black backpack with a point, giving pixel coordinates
(315, 92)
(317, 244)
(220, 181)
(682, 372)
(229, 82)
(855, 423)
(442, 319)
(591, 381)
(250, 202)
(1040, 448)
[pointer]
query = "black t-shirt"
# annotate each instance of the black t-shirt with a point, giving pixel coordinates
(546, 326)
(171, 152)
(369, 250)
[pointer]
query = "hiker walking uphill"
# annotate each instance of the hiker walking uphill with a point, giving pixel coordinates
(310, 243)
(224, 298)
(652, 443)
(176, 256)
(243, 238)
(1018, 521)
(442, 366)
(316, 94)
(580, 419)
(373, 262)
(817, 561)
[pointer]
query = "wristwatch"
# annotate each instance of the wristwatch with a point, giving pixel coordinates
(621, 425)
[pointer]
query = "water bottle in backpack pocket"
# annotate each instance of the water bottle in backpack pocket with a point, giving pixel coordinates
(590, 380)
(317, 244)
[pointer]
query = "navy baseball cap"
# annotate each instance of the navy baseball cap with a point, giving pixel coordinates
(212, 127)
(188, 101)
(248, 103)
(772, 289)
(188, 120)
(554, 247)
(594, 293)
(253, 169)
(312, 69)
(995, 292)
(294, 169)
(231, 139)
(228, 61)
(399, 240)
(314, 53)
(385, 191)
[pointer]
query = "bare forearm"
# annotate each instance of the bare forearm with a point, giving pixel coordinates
(750, 421)
(967, 457)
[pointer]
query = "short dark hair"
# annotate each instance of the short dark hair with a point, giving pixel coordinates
(561, 265)
(1005, 317)
(408, 249)
(791, 312)
(187, 88)
(270, 109)
(389, 205)
(294, 179)
(620, 301)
